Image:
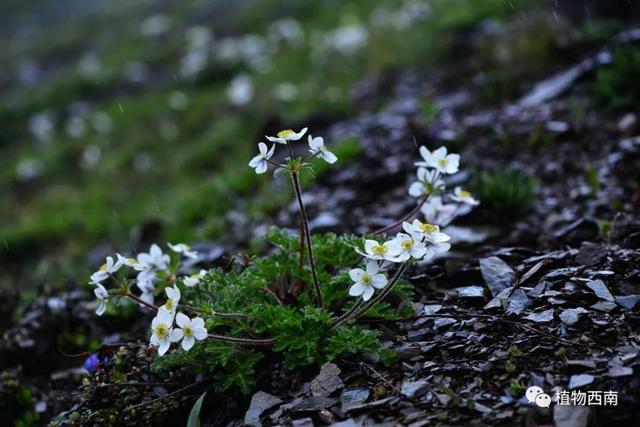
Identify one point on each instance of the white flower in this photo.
(440, 160)
(155, 259)
(190, 330)
(161, 331)
(419, 229)
(366, 281)
(102, 295)
(173, 298)
(463, 196)
(259, 162)
(317, 147)
(436, 243)
(129, 262)
(375, 250)
(287, 135)
(184, 249)
(407, 247)
(106, 269)
(438, 213)
(147, 289)
(194, 279)
(428, 182)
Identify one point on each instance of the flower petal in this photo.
(372, 268)
(200, 333)
(379, 281)
(182, 320)
(176, 334)
(164, 346)
(356, 274)
(187, 343)
(368, 293)
(356, 290)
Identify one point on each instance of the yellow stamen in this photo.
(443, 162)
(169, 304)
(103, 267)
(379, 250)
(187, 331)
(162, 331)
(285, 133)
(429, 228)
(407, 244)
(366, 279)
(464, 194)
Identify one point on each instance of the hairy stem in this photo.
(248, 341)
(307, 236)
(404, 218)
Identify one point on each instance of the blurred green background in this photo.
(118, 115)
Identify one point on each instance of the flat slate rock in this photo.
(497, 274)
(327, 381)
(260, 402)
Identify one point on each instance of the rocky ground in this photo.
(543, 295)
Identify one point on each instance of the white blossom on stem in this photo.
(428, 182)
(154, 259)
(376, 251)
(194, 279)
(101, 295)
(437, 213)
(287, 135)
(161, 331)
(106, 269)
(365, 282)
(317, 147)
(182, 248)
(189, 331)
(260, 162)
(463, 196)
(407, 247)
(440, 160)
(173, 298)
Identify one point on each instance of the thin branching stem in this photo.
(247, 341)
(414, 211)
(346, 315)
(407, 217)
(307, 235)
(271, 162)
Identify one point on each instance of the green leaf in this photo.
(194, 415)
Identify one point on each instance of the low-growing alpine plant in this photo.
(302, 300)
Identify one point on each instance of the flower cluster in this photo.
(430, 186)
(420, 240)
(162, 331)
(316, 147)
(146, 272)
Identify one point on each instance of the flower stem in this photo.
(248, 341)
(142, 302)
(375, 300)
(348, 314)
(404, 218)
(307, 235)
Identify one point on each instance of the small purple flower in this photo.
(93, 362)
